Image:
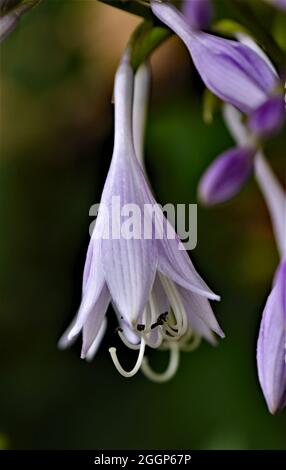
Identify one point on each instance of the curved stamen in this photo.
(127, 343)
(169, 372)
(137, 366)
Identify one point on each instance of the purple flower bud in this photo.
(271, 346)
(268, 117)
(198, 13)
(226, 175)
(232, 71)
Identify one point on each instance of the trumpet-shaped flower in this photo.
(159, 298)
(271, 346)
(233, 71)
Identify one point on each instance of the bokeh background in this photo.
(56, 143)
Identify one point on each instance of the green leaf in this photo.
(229, 27)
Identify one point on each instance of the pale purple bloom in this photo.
(144, 279)
(226, 175)
(231, 70)
(268, 118)
(271, 347)
(198, 13)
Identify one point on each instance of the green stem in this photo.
(145, 39)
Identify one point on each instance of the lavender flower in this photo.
(271, 346)
(198, 13)
(159, 298)
(226, 175)
(231, 70)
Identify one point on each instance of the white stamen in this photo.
(169, 372)
(137, 366)
(127, 343)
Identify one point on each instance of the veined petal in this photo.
(129, 263)
(94, 321)
(96, 343)
(129, 259)
(93, 285)
(275, 198)
(271, 345)
(175, 263)
(198, 306)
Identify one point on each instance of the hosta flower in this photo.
(233, 71)
(271, 346)
(198, 13)
(159, 298)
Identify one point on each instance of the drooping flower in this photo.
(233, 71)
(271, 346)
(198, 13)
(158, 296)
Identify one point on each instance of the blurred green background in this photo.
(56, 144)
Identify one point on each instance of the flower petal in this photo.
(198, 13)
(199, 307)
(175, 263)
(268, 118)
(92, 287)
(271, 345)
(94, 321)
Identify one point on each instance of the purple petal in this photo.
(94, 321)
(200, 314)
(268, 117)
(93, 286)
(129, 264)
(175, 263)
(271, 345)
(198, 13)
(226, 175)
(232, 71)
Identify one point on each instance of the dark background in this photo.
(56, 143)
